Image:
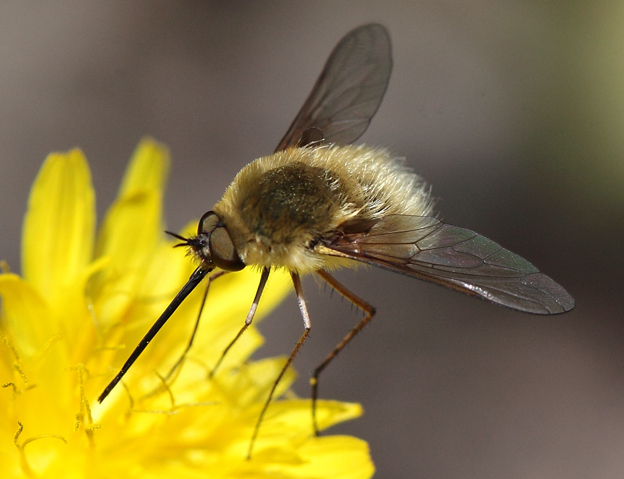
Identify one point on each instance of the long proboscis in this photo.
(194, 280)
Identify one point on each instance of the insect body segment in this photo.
(280, 205)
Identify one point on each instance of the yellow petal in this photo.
(133, 223)
(132, 229)
(295, 417)
(332, 456)
(59, 225)
(316, 458)
(26, 318)
(148, 168)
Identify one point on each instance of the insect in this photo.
(318, 203)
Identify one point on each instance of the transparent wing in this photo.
(454, 257)
(349, 89)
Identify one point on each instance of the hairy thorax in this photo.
(291, 201)
(280, 206)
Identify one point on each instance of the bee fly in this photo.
(318, 203)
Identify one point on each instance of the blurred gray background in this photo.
(513, 111)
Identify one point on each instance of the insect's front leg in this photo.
(250, 315)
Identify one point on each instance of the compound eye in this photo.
(208, 223)
(223, 252)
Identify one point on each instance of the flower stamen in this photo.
(24, 461)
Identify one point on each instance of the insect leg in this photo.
(178, 363)
(307, 325)
(369, 312)
(248, 319)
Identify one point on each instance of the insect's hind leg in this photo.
(369, 312)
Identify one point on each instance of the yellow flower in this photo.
(83, 303)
